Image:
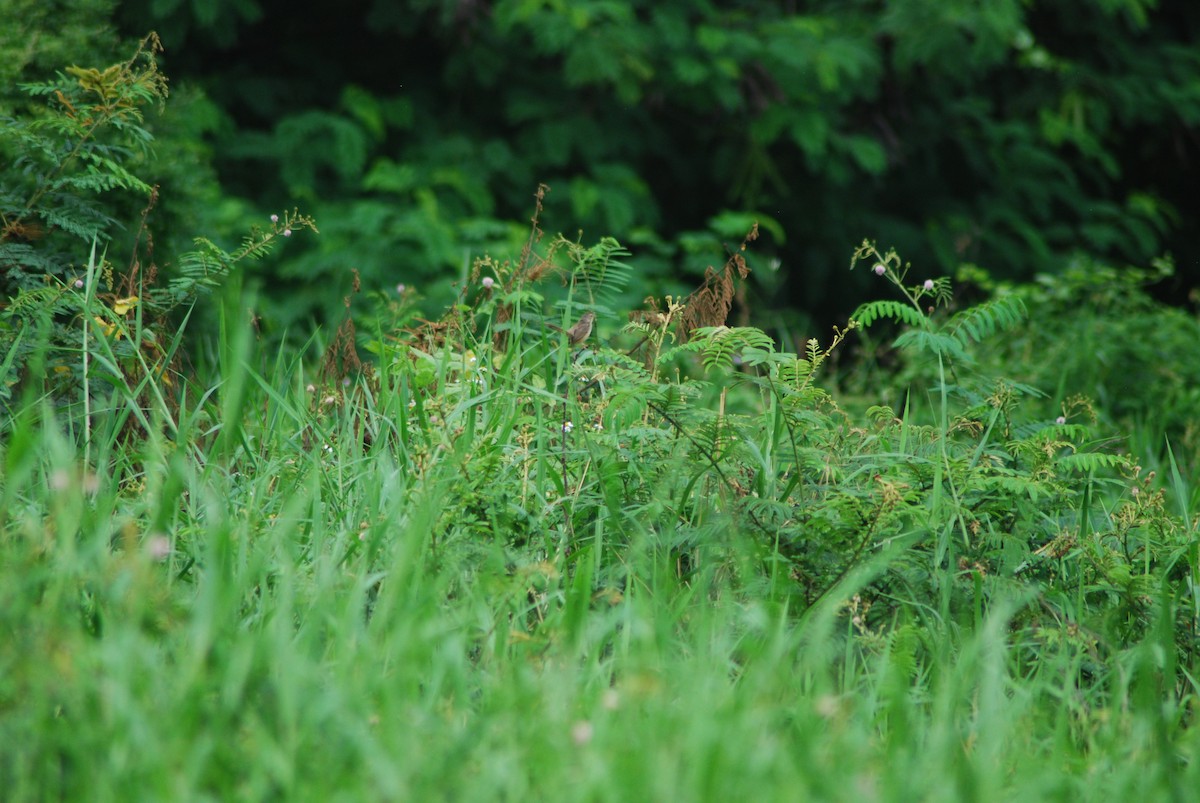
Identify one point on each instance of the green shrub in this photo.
(652, 558)
(71, 320)
(499, 561)
(1005, 134)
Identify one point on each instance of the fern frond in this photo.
(795, 371)
(199, 270)
(25, 265)
(770, 512)
(936, 343)
(984, 320)
(1087, 462)
(1013, 485)
(719, 344)
(672, 399)
(897, 311)
(714, 434)
(77, 217)
(601, 270)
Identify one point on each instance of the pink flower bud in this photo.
(880, 269)
(287, 232)
(487, 282)
(274, 218)
(928, 284)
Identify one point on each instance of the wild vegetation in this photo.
(1009, 134)
(461, 556)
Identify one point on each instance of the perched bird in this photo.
(581, 330)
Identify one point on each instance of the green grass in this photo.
(471, 607)
(492, 567)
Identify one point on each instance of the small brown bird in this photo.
(581, 330)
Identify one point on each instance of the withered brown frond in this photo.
(709, 304)
(341, 356)
(434, 334)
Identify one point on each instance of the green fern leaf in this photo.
(897, 311)
(719, 344)
(600, 271)
(984, 320)
(1087, 462)
(936, 343)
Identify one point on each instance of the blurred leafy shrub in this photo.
(1092, 343)
(67, 159)
(38, 40)
(69, 314)
(1005, 134)
(1096, 330)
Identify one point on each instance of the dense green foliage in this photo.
(1009, 134)
(466, 557)
(1102, 334)
(501, 567)
(68, 179)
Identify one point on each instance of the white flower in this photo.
(487, 282)
(1062, 419)
(59, 480)
(159, 547)
(880, 269)
(928, 284)
(581, 732)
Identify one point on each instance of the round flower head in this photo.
(581, 732)
(880, 269)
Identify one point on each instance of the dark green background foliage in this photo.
(1004, 133)
(1007, 134)
(38, 41)
(961, 564)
